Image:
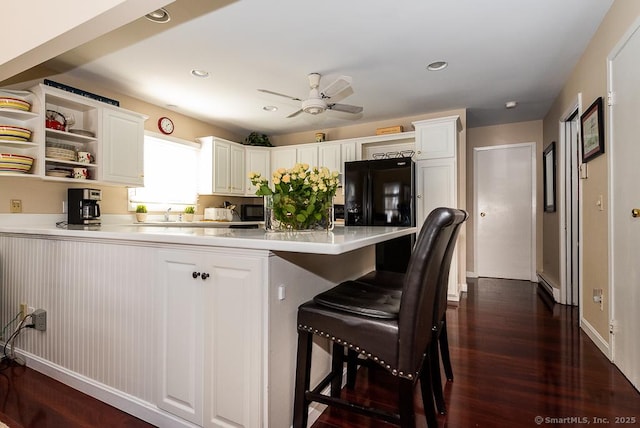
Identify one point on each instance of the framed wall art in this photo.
(592, 131)
(549, 174)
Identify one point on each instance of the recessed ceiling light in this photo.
(437, 66)
(200, 73)
(160, 16)
(270, 108)
(510, 104)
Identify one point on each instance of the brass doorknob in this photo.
(483, 214)
(635, 212)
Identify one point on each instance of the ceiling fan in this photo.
(319, 100)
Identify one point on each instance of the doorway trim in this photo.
(533, 148)
(565, 225)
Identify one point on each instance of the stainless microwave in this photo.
(252, 212)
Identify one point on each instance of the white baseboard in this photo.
(472, 274)
(596, 338)
(141, 409)
(127, 403)
(463, 287)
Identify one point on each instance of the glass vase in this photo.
(278, 219)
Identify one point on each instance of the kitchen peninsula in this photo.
(180, 326)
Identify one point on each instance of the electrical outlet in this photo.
(15, 206)
(24, 310)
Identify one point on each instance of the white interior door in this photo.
(505, 211)
(624, 226)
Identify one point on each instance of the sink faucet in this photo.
(166, 215)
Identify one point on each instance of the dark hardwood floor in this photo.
(515, 357)
(30, 399)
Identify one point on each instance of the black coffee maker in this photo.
(83, 206)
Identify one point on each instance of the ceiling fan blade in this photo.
(345, 108)
(294, 114)
(266, 91)
(337, 86)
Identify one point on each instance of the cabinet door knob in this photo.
(205, 275)
(635, 212)
(195, 275)
(482, 214)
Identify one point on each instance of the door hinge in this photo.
(613, 327)
(611, 98)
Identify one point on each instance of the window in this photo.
(170, 175)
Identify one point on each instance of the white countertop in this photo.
(337, 241)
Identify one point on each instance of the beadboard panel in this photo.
(99, 321)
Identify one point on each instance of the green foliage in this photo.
(189, 210)
(141, 208)
(255, 139)
(301, 197)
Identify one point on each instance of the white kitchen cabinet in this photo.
(349, 153)
(437, 178)
(283, 157)
(307, 153)
(221, 167)
(236, 170)
(435, 186)
(122, 140)
(287, 156)
(181, 351)
(211, 346)
(257, 159)
(113, 136)
(330, 155)
(436, 138)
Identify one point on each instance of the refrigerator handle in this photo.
(368, 215)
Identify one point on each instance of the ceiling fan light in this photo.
(314, 106)
(313, 110)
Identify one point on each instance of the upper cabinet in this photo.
(283, 157)
(307, 153)
(436, 138)
(287, 156)
(78, 138)
(221, 167)
(122, 147)
(330, 155)
(257, 159)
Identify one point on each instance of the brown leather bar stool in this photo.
(385, 328)
(393, 281)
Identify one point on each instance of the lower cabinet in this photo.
(211, 337)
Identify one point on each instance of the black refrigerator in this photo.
(381, 193)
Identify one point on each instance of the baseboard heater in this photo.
(545, 285)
